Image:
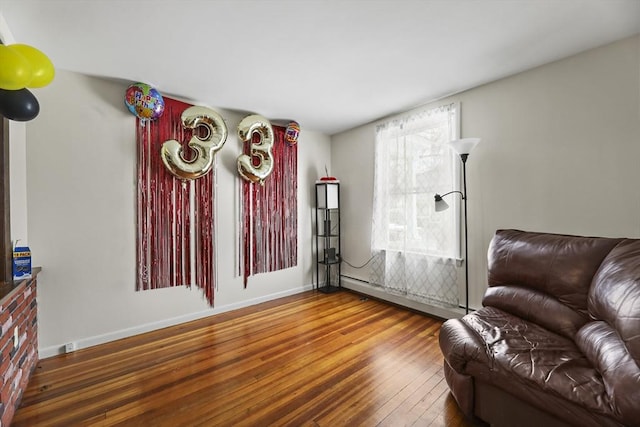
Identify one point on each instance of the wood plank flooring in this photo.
(306, 360)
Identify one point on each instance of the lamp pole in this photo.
(462, 147)
(466, 241)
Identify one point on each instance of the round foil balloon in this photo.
(143, 101)
(292, 132)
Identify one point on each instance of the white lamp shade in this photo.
(464, 145)
(327, 196)
(441, 205)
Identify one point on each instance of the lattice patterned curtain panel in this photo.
(422, 278)
(416, 248)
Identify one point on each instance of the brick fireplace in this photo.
(18, 344)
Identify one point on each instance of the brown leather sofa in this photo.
(557, 341)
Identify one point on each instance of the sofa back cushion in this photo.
(536, 307)
(556, 266)
(615, 295)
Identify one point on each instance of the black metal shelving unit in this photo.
(327, 236)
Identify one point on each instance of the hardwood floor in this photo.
(306, 360)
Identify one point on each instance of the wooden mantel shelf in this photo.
(6, 288)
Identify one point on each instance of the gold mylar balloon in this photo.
(204, 146)
(15, 70)
(260, 151)
(41, 67)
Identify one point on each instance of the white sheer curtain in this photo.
(416, 248)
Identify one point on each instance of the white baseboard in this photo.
(55, 350)
(365, 288)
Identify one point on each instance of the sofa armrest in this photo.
(461, 345)
(604, 348)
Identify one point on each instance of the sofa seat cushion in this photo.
(518, 354)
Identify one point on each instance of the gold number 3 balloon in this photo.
(205, 146)
(258, 164)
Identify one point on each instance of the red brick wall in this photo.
(17, 309)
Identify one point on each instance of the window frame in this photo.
(413, 220)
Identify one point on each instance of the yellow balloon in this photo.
(15, 70)
(41, 66)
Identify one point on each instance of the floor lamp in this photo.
(463, 147)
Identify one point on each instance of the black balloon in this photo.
(19, 105)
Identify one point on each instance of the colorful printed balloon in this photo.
(292, 132)
(144, 102)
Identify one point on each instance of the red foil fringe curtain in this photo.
(269, 217)
(165, 229)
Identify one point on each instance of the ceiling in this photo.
(331, 65)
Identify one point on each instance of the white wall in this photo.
(18, 182)
(559, 153)
(81, 163)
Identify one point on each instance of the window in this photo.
(412, 242)
(413, 163)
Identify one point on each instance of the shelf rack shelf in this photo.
(327, 237)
